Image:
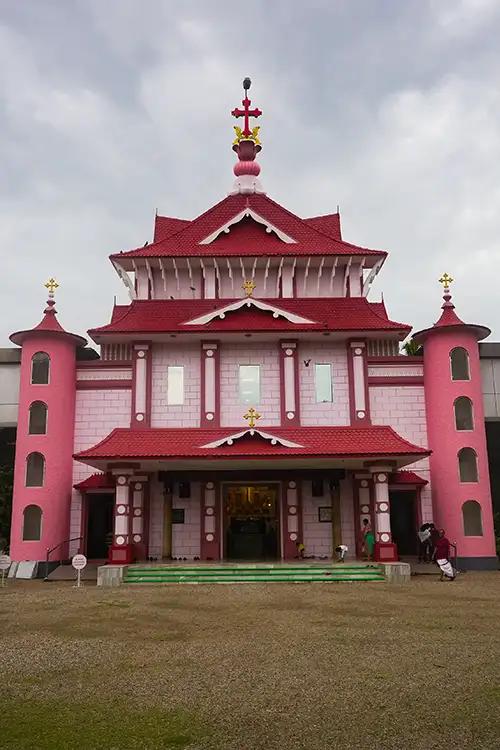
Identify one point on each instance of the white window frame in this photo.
(252, 402)
(172, 399)
(330, 368)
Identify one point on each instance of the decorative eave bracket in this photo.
(248, 302)
(273, 439)
(247, 212)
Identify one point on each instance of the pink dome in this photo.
(246, 167)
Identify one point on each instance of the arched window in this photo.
(459, 359)
(463, 414)
(40, 368)
(467, 465)
(38, 418)
(32, 523)
(35, 470)
(471, 514)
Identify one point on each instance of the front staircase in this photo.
(255, 573)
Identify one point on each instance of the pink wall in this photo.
(96, 414)
(56, 446)
(317, 536)
(449, 493)
(403, 408)
(266, 355)
(184, 415)
(186, 536)
(336, 412)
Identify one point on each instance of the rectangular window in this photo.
(323, 383)
(250, 384)
(175, 385)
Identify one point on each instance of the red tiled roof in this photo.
(166, 226)
(309, 240)
(96, 482)
(329, 224)
(48, 324)
(329, 314)
(321, 442)
(407, 477)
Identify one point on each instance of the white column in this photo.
(138, 485)
(382, 507)
(121, 537)
(140, 405)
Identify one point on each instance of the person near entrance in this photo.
(367, 540)
(442, 557)
(424, 543)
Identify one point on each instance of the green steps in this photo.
(249, 573)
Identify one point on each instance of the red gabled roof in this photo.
(166, 226)
(96, 482)
(308, 240)
(407, 477)
(170, 316)
(320, 442)
(329, 224)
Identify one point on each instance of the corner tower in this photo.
(457, 435)
(45, 434)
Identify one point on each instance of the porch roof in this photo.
(228, 446)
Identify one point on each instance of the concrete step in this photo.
(253, 574)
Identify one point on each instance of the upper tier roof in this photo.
(316, 236)
(172, 316)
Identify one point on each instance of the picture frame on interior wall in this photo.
(325, 514)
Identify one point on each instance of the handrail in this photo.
(51, 549)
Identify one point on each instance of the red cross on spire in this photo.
(246, 112)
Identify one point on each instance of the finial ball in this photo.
(246, 83)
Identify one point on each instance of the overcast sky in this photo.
(110, 109)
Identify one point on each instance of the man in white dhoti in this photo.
(442, 557)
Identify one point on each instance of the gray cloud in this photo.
(109, 110)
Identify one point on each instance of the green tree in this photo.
(412, 349)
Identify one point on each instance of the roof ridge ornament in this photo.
(247, 145)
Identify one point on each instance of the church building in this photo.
(248, 400)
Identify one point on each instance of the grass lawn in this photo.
(251, 667)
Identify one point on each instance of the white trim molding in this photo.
(247, 302)
(273, 439)
(256, 217)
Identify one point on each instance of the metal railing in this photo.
(52, 549)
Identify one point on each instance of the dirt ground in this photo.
(265, 666)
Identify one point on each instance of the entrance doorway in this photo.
(99, 524)
(251, 521)
(404, 520)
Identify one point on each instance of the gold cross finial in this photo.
(252, 415)
(248, 286)
(51, 285)
(446, 280)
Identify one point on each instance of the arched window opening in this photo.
(32, 523)
(40, 368)
(467, 464)
(471, 514)
(38, 418)
(459, 359)
(463, 414)
(35, 470)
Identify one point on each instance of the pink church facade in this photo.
(249, 399)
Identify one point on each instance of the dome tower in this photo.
(45, 435)
(457, 436)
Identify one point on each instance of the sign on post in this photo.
(4, 566)
(78, 562)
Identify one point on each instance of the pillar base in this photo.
(121, 554)
(386, 552)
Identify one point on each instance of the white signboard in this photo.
(4, 566)
(79, 562)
